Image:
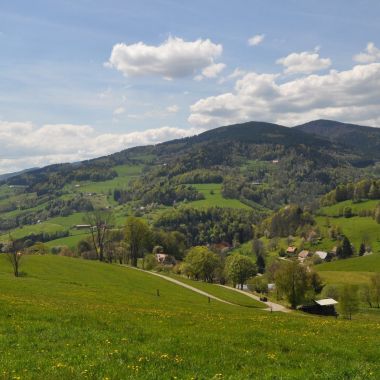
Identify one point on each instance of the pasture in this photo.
(73, 319)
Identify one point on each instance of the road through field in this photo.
(271, 305)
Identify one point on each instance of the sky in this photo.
(85, 78)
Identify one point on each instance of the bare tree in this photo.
(99, 222)
(14, 253)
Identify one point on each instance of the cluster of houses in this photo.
(302, 255)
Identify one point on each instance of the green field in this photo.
(370, 263)
(74, 319)
(356, 228)
(349, 278)
(357, 270)
(214, 198)
(337, 209)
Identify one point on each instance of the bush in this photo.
(150, 262)
(258, 284)
(66, 251)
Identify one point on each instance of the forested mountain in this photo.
(260, 162)
(364, 140)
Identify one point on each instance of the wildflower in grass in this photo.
(271, 356)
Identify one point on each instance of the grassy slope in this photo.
(215, 199)
(357, 270)
(337, 209)
(370, 263)
(71, 319)
(356, 228)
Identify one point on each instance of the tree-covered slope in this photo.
(364, 140)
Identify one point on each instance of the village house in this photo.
(322, 254)
(291, 250)
(303, 255)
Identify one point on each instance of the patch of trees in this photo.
(200, 176)
(362, 190)
(147, 190)
(54, 177)
(212, 225)
(295, 283)
(286, 222)
(135, 241)
(201, 264)
(43, 237)
(61, 207)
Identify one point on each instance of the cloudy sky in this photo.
(84, 78)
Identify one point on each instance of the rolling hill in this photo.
(255, 166)
(364, 140)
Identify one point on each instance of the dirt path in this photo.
(271, 305)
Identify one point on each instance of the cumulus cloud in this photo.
(256, 40)
(304, 62)
(175, 58)
(371, 54)
(172, 109)
(119, 111)
(350, 95)
(27, 145)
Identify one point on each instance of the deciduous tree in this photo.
(201, 263)
(348, 301)
(239, 269)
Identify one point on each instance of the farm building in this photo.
(82, 226)
(321, 307)
(322, 254)
(303, 255)
(291, 250)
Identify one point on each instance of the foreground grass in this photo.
(74, 319)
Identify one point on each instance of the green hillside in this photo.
(71, 319)
(370, 263)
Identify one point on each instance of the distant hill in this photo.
(364, 140)
(6, 176)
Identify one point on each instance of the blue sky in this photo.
(68, 91)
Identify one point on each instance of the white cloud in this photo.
(352, 95)
(305, 62)
(371, 54)
(172, 109)
(27, 145)
(175, 58)
(119, 111)
(213, 70)
(256, 40)
(235, 74)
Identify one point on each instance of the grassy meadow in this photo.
(75, 319)
(214, 198)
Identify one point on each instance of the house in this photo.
(322, 254)
(222, 247)
(303, 255)
(82, 226)
(321, 307)
(291, 250)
